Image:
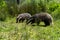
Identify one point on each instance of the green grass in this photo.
(9, 30)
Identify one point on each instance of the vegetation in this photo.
(10, 30)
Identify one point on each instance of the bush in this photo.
(31, 6)
(56, 14)
(3, 10)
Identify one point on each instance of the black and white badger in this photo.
(23, 16)
(41, 17)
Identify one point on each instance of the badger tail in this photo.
(52, 24)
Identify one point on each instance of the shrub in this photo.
(3, 10)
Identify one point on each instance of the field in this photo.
(9, 30)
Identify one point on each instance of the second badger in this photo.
(41, 17)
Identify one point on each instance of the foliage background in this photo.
(10, 30)
(12, 9)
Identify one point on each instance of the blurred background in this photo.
(11, 8)
(10, 30)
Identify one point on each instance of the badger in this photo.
(41, 17)
(23, 16)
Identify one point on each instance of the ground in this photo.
(9, 30)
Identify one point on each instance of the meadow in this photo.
(10, 30)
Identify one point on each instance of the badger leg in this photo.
(23, 20)
(19, 20)
(47, 23)
(38, 23)
(32, 22)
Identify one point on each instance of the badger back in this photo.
(27, 15)
(24, 15)
(44, 16)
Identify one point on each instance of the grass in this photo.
(9, 30)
